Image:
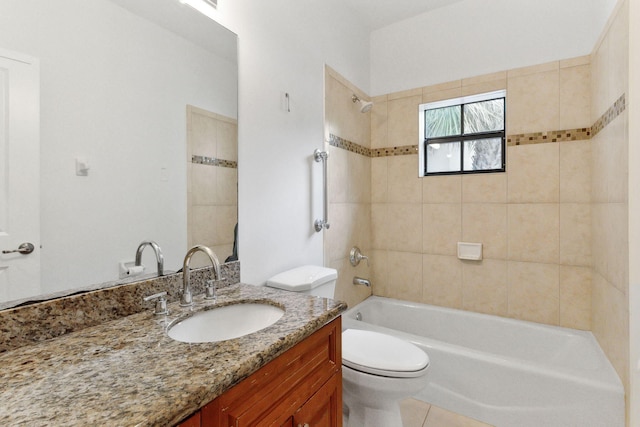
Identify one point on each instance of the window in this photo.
(463, 135)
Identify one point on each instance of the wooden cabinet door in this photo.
(192, 421)
(324, 408)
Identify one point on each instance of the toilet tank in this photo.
(308, 279)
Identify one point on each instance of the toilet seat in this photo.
(380, 354)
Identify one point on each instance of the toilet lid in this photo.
(380, 354)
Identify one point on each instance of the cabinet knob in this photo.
(304, 425)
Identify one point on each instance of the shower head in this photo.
(365, 106)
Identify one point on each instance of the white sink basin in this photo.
(225, 323)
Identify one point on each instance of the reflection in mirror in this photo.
(114, 81)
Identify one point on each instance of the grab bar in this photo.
(319, 224)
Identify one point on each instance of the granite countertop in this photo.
(128, 372)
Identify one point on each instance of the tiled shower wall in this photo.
(349, 187)
(212, 187)
(609, 194)
(534, 221)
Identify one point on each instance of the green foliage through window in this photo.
(464, 135)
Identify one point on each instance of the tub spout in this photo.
(360, 281)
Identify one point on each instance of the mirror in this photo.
(132, 91)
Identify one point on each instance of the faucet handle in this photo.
(210, 290)
(355, 256)
(161, 302)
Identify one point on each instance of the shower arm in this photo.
(320, 224)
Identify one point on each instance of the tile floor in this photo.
(421, 414)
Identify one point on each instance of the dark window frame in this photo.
(462, 137)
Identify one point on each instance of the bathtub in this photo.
(505, 372)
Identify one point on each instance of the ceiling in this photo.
(380, 13)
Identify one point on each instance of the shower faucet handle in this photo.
(355, 256)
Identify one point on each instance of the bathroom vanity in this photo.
(302, 387)
(128, 371)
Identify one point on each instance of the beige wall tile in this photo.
(600, 80)
(225, 222)
(379, 271)
(379, 179)
(345, 289)
(484, 188)
(442, 86)
(573, 62)
(442, 189)
(575, 172)
(533, 232)
(484, 286)
(226, 189)
(484, 78)
(403, 185)
(379, 124)
(204, 180)
(533, 102)
(337, 175)
(404, 94)
(575, 297)
(358, 178)
(204, 230)
(610, 324)
(342, 116)
(575, 234)
(379, 226)
(486, 223)
(204, 135)
(406, 280)
(442, 280)
(443, 94)
(575, 97)
(533, 69)
(442, 228)
(405, 227)
(610, 243)
(484, 87)
(403, 121)
(533, 173)
(618, 76)
(227, 141)
(341, 235)
(534, 292)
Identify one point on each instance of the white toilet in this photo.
(378, 370)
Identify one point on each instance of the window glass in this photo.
(443, 157)
(442, 122)
(483, 154)
(485, 116)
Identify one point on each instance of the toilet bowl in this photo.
(378, 370)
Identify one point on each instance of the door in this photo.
(19, 174)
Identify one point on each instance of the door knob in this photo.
(24, 249)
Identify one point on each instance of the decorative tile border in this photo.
(338, 142)
(551, 136)
(212, 161)
(579, 134)
(614, 111)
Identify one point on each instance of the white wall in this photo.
(283, 46)
(633, 101)
(475, 37)
(114, 88)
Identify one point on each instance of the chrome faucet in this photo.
(360, 281)
(186, 299)
(156, 249)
